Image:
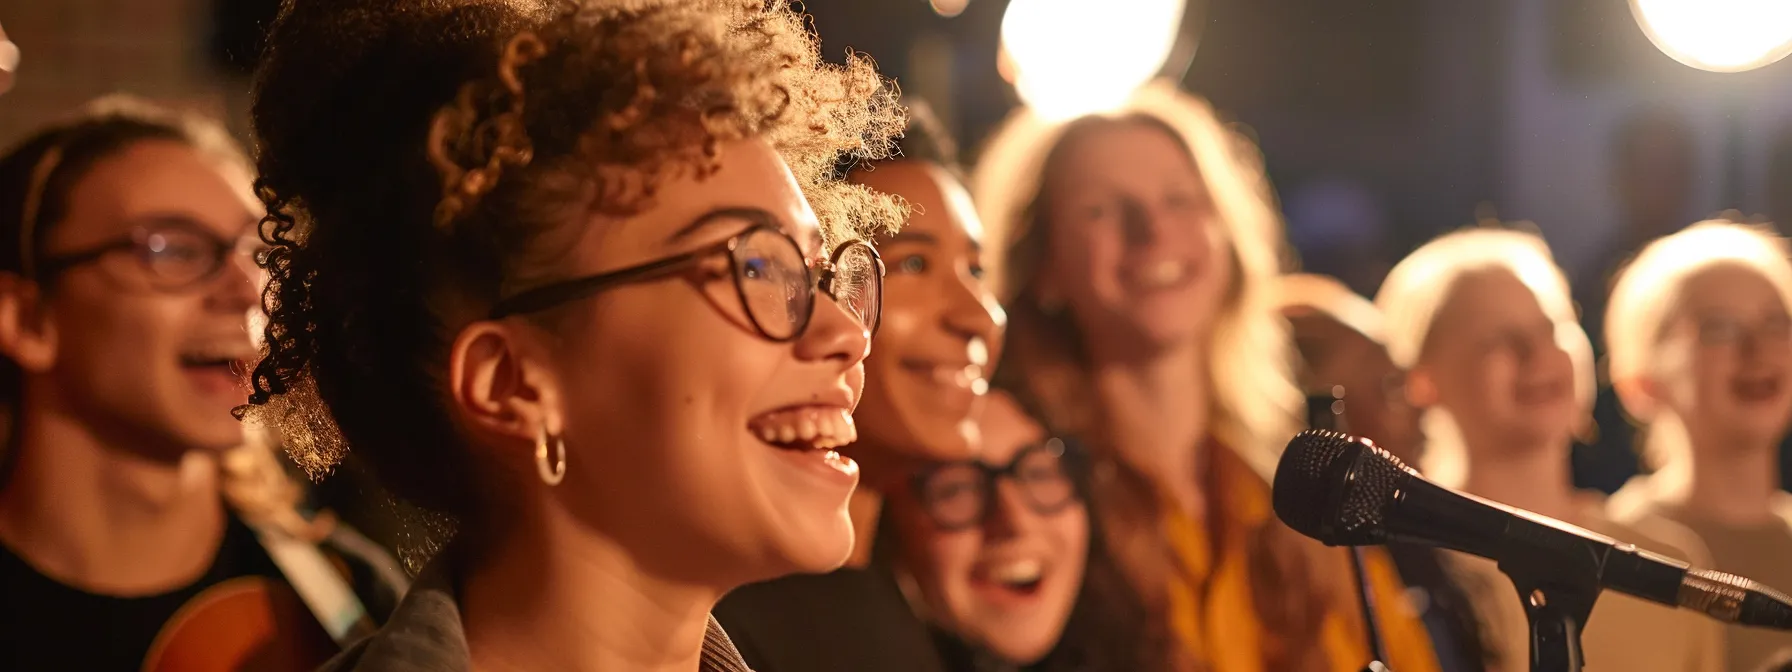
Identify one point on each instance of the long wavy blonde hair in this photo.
(1254, 403)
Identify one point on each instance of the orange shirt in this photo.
(1211, 609)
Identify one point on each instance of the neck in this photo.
(1156, 414)
(1536, 478)
(104, 518)
(864, 507)
(1726, 482)
(547, 595)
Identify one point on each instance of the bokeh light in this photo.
(1073, 57)
(1718, 35)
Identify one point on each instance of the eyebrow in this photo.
(250, 225)
(749, 214)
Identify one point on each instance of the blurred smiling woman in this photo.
(1138, 252)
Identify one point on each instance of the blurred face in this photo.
(694, 440)
(1375, 405)
(145, 342)
(1000, 570)
(1500, 366)
(1726, 356)
(926, 376)
(1137, 253)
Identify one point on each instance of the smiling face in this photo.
(1499, 365)
(150, 366)
(925, 378)
(1006, 582)
(1137, 252)
(667, 388)
(1726, 356)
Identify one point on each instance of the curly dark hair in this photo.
(422, 158)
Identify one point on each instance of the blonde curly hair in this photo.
(421, 158)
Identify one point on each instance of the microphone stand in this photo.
(1558, 597)
(1326, 411)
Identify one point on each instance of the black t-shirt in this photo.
(850, 619)
(50, 626)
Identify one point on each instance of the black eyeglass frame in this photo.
(557, 293)
(1069, 466)
(220, 249)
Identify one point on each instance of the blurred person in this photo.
(1340, 336)
(1140, 250)
(1482, 322)
(995, 546)
(924, 382)
(1699, 335)
(580, 277)
(130, 500)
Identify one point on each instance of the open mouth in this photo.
(221, 359)
(1016, 578)
(963, 375)
(1756, 389)
(805, 428)
(1158, 275)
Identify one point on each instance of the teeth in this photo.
(1019, 571)
(807, 428)
(1161, 274)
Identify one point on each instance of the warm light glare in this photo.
(1718, 35)
(1074, 57)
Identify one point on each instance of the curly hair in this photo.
(422, 158)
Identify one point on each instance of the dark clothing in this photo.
(1445, 610)
(53, 626)
(425, 635)
(850, 619)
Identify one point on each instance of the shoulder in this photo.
(1638, 522)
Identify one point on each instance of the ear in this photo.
(499, 378)
(1641, 396)
(1421, 388)
(27, 334)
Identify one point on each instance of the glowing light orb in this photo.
(1718, 35)
(1074, 57)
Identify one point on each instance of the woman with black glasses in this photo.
(581, 280)
(131, 504)
(996, 552)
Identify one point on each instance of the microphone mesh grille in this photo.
(1378, 475)
(1302, 486)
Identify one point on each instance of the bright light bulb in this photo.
(1718, 35)
(1075, 57)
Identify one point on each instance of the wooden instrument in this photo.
(249, 623)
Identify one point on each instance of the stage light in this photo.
(1075, 57)
(1718, 35)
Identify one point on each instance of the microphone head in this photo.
(1336, 488)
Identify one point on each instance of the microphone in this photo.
(1346, 491)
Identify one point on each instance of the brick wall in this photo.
(75, 50)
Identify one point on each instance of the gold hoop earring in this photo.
(556, 472)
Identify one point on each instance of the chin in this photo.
(1022, 649)
(823, 551)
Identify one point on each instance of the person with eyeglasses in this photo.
(995, 550)
(923, 383)
(131, 503)
(581, 280)
(1699, 335)
(1355, 387)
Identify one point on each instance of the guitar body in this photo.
(246, 623)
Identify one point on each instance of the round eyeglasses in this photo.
(957, 495)
(775, 281)
(174, 254)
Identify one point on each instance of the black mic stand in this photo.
(1558, 597)
(1326, 411)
